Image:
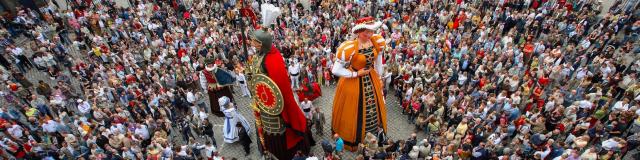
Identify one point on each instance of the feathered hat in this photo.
(269, 14)
(366, 23)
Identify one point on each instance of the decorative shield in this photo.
(267, 95)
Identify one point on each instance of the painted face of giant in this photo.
(365, 34)
(255, 44)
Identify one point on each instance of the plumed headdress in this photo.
(366, 23)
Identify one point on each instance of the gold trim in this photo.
(263, 80)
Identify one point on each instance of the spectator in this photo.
(481, 79)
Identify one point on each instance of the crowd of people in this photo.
(518, 80)
(483, 79)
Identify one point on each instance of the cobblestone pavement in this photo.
(398, 125)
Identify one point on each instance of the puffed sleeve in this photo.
(342, 58)
(379, 41)
(344, 51)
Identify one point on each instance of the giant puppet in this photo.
(281, 125)
(358, 106)
(217, 82)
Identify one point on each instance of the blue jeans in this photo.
(44, 110)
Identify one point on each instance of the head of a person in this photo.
(225, 102)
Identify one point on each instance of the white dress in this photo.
(232, 117)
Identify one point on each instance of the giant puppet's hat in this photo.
(366, 23)
(269, 14)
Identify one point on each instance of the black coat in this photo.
(207, 129)
(244, 136)
(102, 141)
(382, 138)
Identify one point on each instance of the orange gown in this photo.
(358, 105)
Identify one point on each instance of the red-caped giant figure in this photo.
(282, 127)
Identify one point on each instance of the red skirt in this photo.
(311, 95)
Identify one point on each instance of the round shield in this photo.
(267, 95)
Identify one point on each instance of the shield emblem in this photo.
(267, 95)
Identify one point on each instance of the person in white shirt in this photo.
(210, 151)
(50, 126)
(582, 72)
(15, 130)
(294, 73)
(242, 82)
(194, 109)
(202, 114)
(84, 107)
(622, 105)
(306, 107)
(613, 144)
(117, 129)
(408, 94)
(18, 54)
(191, 98)
(387, 79)
(462, 78)
(585, 104)
(142, 131)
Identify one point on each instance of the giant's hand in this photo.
(363, 72)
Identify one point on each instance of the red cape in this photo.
(291, 114)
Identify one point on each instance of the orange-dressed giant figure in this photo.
(358, 106)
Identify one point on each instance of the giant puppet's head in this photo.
(261, 39)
